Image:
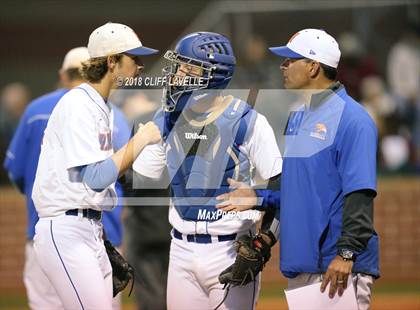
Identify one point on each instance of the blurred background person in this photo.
(403, 69)
(394, 149)
(355, 64)
(13, 100)
(378, 102)
(254, 70)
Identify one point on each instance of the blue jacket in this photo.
(330, 151)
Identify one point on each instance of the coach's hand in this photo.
(242, 198)
(337, 274)
(150, 133)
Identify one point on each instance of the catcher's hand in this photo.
(122, 271)
(253, 253)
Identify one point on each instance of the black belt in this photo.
(203, 238)
(88, 213)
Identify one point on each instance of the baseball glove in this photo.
(122, 271)
(253, 253)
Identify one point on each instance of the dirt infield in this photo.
(392, 301)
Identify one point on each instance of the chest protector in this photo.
(203, 151)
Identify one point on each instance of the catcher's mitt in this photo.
(122, 271)
(253, 254)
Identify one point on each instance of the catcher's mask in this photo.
(211, 53)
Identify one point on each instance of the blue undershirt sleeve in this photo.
(270, 199)
(99, 175)
(270, 196)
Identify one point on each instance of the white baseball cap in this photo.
(75, 57)
(314, 44)
(113, 38)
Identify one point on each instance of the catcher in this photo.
(208, 138)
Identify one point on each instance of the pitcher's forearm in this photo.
(125, 157)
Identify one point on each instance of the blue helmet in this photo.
(212, 53)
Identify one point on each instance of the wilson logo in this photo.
(320, 131)
(194, 136)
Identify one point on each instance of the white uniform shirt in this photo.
(263, 153)
(78, 133)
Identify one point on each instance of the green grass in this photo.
(269, 291)
(394, 288)
(14, 300)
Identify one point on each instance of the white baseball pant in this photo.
(193, 274)
(71, 253)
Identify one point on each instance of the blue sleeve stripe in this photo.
(38, 117)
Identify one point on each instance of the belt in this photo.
(88, 213)
(203, 238)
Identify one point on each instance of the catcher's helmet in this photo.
(211, 52)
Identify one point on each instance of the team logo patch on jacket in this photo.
(320, 131)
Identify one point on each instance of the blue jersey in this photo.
(330, 151)
(112, 220)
